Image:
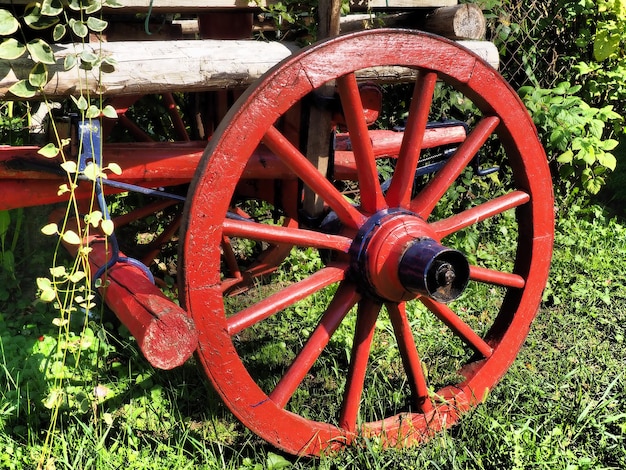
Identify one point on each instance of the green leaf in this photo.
(70, 237)
(53, 400)
(108, 64)
(49, 150)
(58, 32)
(43, 283)
(605, 45)
(40, 51)
(93, 7)
(81, 103)
(88, 57)
(608, 144)
(69, 166)
(596, 127)
(23, 89)
(561, 88)
(8, 23)
(92, 171)
(96, 24)
(109, 111)
(588, 155)
(109, 60)
(276, 462)
(51, 7)
(93, 218)
(58, 271)
(593, 185)
(558, 138)
(107, 226)
(47, 295)
(609, 114)
(64, 188)
(11, 49)
(70, 62)
(607, 160)
(50, 229)
(583, 68)
(115, 168)
(566, 157)
(93, 112)
(108, 419)
(5, 222)
(77, 276)
(8, 261)
(79, 28)
(38, 76)
(74, 4)
(36, 20)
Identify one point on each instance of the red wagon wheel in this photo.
(399, 362)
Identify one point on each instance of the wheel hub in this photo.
(395, 256)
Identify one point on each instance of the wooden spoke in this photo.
(230, 259)
(498, 278)
(345, 298)
(410, 357)
(285, 235)
(363, 335)
(371, 194)
(284, 298)
(479, 213)
(458, 326)
(399, 194)
(143, 211)
(299, 164)
(427, 199)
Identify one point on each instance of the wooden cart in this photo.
(400, 216)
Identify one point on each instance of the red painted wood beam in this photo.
(166, 336)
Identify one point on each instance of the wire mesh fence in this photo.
(534, 41)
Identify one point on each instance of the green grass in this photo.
(561, 405)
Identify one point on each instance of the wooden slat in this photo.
(199, 6)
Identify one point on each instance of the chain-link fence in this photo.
(534, 41)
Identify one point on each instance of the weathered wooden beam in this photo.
(146, 67)
(199, 6)
(165, 334)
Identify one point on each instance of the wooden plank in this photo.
(198, 6)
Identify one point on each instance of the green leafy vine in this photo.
(69, 286)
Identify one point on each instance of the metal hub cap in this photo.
(396, 257)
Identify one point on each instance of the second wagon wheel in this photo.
(412, 299)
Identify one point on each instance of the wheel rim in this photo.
(492, 349)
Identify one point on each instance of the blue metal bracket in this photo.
(90, 150)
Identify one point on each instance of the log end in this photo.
(171, 339)
(464, 21)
